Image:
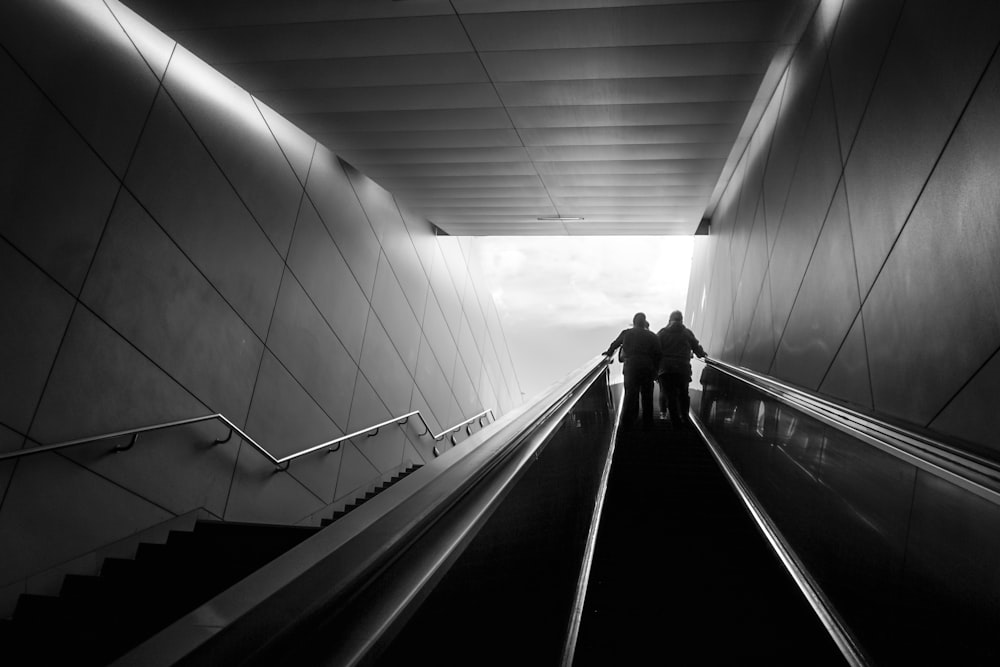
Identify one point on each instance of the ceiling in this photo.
(489, 116)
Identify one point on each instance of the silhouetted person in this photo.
(677, 344)
(641, 356)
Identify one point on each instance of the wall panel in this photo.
(79, 56)
(825, 305)
(971, 414)
(943, 264)
(321, 269)
(812, 188)
(226, 119)
(285, 420)
(47, 155)
(260, 494)
(390, 305)
(35, 317)
(949, 45)
(311, 352)
(101, 383)
(904, 96)
(848, 378)
(856, 53)
(144, 286)
(384, 368)
(338, 207)
(214, 258)
(176, 180)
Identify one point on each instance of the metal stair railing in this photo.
(280, 463)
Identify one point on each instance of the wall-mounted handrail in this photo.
(282, 463)
(974, 473)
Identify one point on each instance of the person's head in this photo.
(676, 316)
(639, 321)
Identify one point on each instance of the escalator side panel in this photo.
(907, 558)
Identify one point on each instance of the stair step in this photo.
(97, 618)
(31, 608)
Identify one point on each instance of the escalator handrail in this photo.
(838, 630)
(974, 473)
(413, 530)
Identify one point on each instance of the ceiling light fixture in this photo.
(557, 217)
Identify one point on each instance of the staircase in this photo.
(96, 619)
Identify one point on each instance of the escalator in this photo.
(681, 574)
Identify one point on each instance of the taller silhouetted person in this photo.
(677, 344)
(641, 357)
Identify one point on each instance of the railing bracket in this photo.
(224, 440)
(131, 443)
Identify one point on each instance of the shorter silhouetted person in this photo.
(677, 344)
(641, 358)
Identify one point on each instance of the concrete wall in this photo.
(170, 247)
(854, 251)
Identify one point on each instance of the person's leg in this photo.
(674, 399)
(630, 404)
(647, 401)
(684, 388)
(662, 382)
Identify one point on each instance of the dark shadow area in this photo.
(682, 575)
(508, 597)
(906, 556)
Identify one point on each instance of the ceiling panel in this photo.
(463, 195)
(599, 115)
(434, 139)
(325, 39)
(432, 155)
(485, 115)
(630, 167)
(630, 134)
(735, 88)
(628, 62)
(172, 15)
(628, 151)
(409, 119)
(494, 6)
(689, 23)
(420, 69)
(691, 181)
(457, 184)
(632, 190)
(382, 98)
(446, 169)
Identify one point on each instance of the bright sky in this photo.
(564, 299)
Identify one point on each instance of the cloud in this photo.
(563, 299)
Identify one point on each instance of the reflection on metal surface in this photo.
(885, 528)
(853, 653)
